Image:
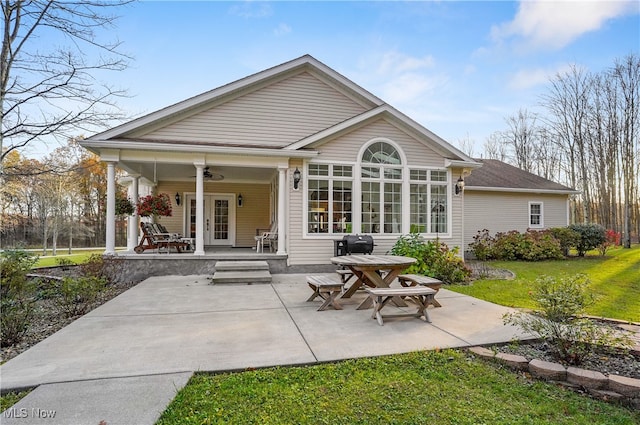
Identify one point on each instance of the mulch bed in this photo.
(48, 319)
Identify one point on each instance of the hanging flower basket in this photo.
(155, 205)
(124, 206)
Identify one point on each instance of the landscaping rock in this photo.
(482, 352)
(629, 387)
(514, 361)
(586, 378)
(547, 370)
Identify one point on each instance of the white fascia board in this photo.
(97, 146)
(454, 163)
(336, 129)
(388, 111)
(520, 190)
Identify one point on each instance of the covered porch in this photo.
(220, 200)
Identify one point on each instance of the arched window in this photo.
(381, 188)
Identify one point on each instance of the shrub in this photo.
(591, 235)
(506, 246)
(612, 238)
(434, 258)
(77, 295)
(65, 263)
(557, 321)
(540, 245)
(533, 245)
(100, 266)
(16, 295)
(482, 245)
(567, 238)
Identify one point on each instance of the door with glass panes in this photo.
(219, 219)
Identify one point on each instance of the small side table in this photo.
(191, 244)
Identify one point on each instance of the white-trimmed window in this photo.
(381, 189)
(329, 198)
(428, 205)
(536, 215)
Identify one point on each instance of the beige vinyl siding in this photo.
(505, 211)
(274, 116)
(346, 148)
(253, 215)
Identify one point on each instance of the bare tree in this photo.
(494, 147)
(467, 145)
(567, 105)
(50, 93)
(522, 137)
(626, 73)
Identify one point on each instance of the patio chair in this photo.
(269, 238)
(155, 236)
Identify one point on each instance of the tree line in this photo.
(55, 202)
(586, 136)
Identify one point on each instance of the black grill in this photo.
(358, 244)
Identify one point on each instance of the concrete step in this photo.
(244, 276)
(224, 266)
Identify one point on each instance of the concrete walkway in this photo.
(124, 362)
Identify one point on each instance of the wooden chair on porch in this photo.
(155, 236)
(269, 238)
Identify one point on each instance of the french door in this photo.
(219, 219)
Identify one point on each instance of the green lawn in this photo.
(78, 257)
(615, 281)
(447, 387)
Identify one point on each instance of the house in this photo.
(298, 148)
(500, 197)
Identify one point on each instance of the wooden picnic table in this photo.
(375, 271)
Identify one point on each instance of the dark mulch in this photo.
(623, 363)
(48, 319)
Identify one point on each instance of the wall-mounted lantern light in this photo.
(240, 200)
(296, 178)
(459, 185)
(178, 199)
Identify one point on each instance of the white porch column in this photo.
(282, 191)
(132, 192)
(199, 210)
(111, 209)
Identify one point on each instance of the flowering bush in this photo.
(151, 205)
(612, 238)
(533, 245)
(123, 206)
(434, 258)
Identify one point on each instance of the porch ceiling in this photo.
(187, 172)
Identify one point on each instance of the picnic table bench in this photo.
(327, 289)
(408, 280)
(420, 295)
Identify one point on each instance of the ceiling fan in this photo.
(208, 175)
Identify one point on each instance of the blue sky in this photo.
(458, 68)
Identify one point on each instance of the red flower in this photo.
(155, 205)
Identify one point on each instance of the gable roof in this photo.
(251, 82)
(145, 133)
(495, 175)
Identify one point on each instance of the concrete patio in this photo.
(157, 334)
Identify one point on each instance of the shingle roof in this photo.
(501, 176)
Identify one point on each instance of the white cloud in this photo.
(395, 63)
(400, 79)
(282, 29)
(554, 24)
(409, 87)
(528, 78)
(251, 9)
